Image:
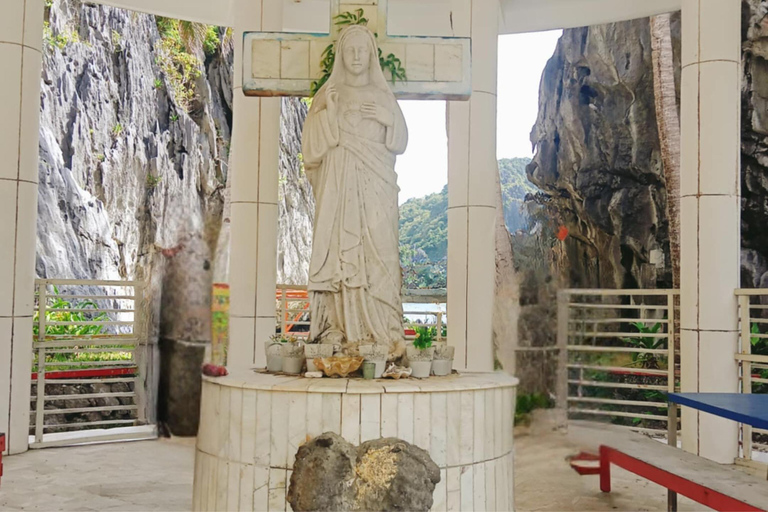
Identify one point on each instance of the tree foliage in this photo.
(424, 226)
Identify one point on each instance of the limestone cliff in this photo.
(598, 156)
(754, 145)
(133, 176)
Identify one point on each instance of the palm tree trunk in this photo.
(668, 121)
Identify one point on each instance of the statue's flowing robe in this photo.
(354, 273)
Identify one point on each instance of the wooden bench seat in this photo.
(717, 486)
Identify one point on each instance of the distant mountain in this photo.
(424, 225)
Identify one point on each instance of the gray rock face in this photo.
(330, 474)
(598, 156)
(132, 185)
(754, 145)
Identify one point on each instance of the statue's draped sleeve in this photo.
(397, 134)
(321, 133)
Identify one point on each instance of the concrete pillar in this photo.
(21, 39)
(472, 170)
(710, 216)
(254, 200)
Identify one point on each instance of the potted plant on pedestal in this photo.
(376, 354)
(442, 364)
(421, 352)
(273, 351)
(293, 355)
(315, 350)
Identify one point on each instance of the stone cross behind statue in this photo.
(286, 63)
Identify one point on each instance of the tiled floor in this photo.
(136, 476)
(157, 476)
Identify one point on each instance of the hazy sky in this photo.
(423, 169)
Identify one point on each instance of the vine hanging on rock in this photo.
(389, 63)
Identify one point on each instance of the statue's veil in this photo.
(338, 74)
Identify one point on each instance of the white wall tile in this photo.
(405, 426)
(11, 23)
(422, 424)
(314, 414)
(10, 88)
(720, 30)
(235, 423)
(265, 58)
(213, 479)
(278, 451)
(453, 485)
(294, 59)
(453, 442)
(297, 424)
(388, 415)
(350, 418)
(719, 257)
(490, 485)
(439, 496)
(222, 429)
(478, 429)
(30, 112)
(244, 217)
(245, 500)
(467, 427)
(332, 413)
(467, 489)
(439, 428)
(233, 486)
(490, 421)
(248, 427)
(222, 481)
(262, 444)
(33, 24)
(498, 443)
(719, 109)
(370, 417)
(690, 32)
(277, 484)
(260, 488)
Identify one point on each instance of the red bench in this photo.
(717, 486)
(2, 449)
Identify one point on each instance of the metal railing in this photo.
(618, 356)
(293, 317)
(752, 356)
(90, 370)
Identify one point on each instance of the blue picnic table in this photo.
(745, 408)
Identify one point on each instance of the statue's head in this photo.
(356, 49)
(356, 55)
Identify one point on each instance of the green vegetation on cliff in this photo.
(424, 225)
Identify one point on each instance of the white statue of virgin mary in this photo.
(351, 136)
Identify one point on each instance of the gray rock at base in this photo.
(180, 386)
(330, 474)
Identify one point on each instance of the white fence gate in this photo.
(90, 374)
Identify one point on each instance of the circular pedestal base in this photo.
(252, 424)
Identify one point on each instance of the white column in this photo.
(254, 200)
(710, 216)
(472, 170)
(21, 26)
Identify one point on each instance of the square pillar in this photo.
(472, 177)
(21, 39)
(254, 162)
(710, 216)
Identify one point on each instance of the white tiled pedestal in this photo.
(252, 424)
